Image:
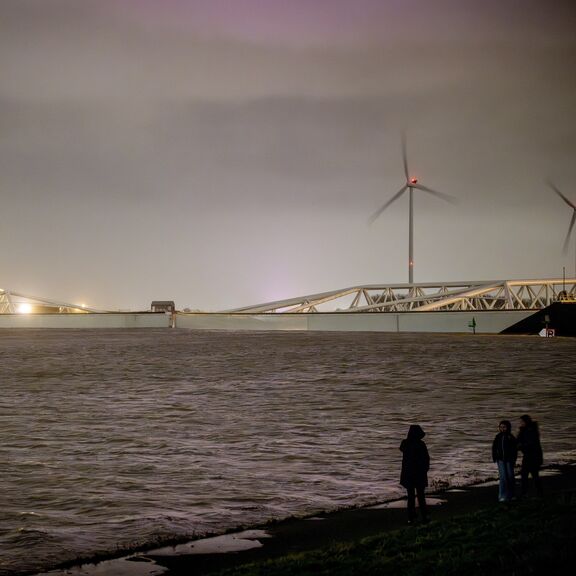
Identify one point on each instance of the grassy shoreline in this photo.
(470, 534)
(529, 537)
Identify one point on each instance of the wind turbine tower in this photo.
(411, 184)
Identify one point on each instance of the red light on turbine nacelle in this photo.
(413, 180)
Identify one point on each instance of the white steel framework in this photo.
(469, 296)
(16, 303)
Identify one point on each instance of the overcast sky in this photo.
(225, 153)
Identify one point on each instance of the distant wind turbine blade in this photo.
(446, 197)
(386, 204)
(561, 195)
(565, 247)
(405, 156)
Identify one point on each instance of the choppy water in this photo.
(116, 438)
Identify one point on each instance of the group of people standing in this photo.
(505, 448)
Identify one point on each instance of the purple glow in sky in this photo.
(221, 153)
(295, 23)
(305, 23)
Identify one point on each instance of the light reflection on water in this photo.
(115, 438)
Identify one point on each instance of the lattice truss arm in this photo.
(494, 295)
(15, 302)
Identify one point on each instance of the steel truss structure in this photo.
(17, 303)
(427, 297)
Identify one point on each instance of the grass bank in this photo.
(532, 537)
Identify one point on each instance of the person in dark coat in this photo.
(532, 459)
(415, 466)
(504, 453)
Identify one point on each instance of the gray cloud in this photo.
(144, 155)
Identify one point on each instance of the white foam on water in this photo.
(237, 542)
(395, 504)
(128, 566)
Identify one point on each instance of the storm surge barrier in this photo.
(426, 297)
(458, 307)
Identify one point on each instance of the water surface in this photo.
(114, 438)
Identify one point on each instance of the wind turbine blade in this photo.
(386, 204)
(445, 197)
(561, 195)
(565, 247)
(405, 156)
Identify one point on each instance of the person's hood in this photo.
(415, 432)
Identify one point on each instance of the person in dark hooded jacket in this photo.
(504, 454)
(414, 475)
(532, 459)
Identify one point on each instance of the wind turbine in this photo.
(410, 185)
(571, 226)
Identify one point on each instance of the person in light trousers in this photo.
(504, 454)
